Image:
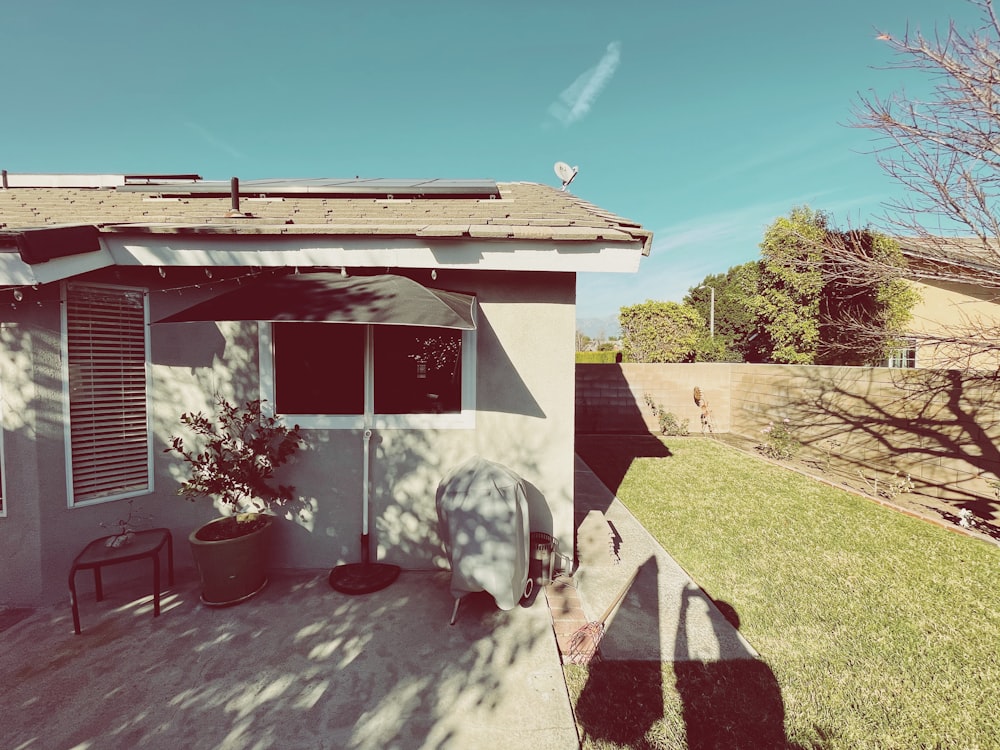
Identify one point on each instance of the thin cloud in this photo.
(213, 140)
(575, 102)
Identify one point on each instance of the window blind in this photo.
(106, 354)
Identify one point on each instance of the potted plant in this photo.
(239, 450)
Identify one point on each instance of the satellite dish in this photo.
(565, 172)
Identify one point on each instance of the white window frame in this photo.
(899, 356)
(462, 420)
(71, 500)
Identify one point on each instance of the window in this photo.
(320, 370)
(904, 356)
(330, 375)
(109, 451)
(418, 370)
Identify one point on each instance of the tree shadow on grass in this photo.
(621, 702)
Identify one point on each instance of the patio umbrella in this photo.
(323, 297)
(384, 299)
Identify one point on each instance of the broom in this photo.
(585, 643)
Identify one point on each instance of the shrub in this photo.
(597, 358)
(669, 424)
(240, 449)
(779, 442)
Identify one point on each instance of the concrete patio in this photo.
(299, 666)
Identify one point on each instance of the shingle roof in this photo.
(525, 211)
(962, 256)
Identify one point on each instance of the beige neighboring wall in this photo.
(952, 309)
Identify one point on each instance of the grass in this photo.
(875, 629)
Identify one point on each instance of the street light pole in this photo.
(711, 313)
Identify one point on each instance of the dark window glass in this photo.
(417, 370)
(319, 368)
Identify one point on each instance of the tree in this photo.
(861, 318)
(660, 332)
(811, 308)
(787, 304)
(734, 323)
(943, 149)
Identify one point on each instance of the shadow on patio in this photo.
(299, 666)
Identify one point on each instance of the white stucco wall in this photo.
(525, 413)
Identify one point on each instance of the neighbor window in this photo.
(106, 350)
(333, 374)
(904, 356)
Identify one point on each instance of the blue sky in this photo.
(702, 121)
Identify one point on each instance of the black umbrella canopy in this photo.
(386, 299)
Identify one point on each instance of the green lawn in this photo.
(876, 630)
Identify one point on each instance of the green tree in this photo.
(816, 303)
(660, 332)
(861, 315)
(734, 323)
(786, 306)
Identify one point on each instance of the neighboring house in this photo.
(959, 287)
(92, 385)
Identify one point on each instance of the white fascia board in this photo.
(65, 180)
(15, 272)
(305, 252)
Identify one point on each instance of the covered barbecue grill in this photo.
(483, 519)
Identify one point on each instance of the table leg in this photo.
(156, 584)
(74, 605)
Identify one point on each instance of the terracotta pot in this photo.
(231, 570)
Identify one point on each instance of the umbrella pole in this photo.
(366, 576)
(365, 452)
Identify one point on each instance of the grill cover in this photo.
(483, 519)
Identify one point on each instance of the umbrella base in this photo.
(363, 578)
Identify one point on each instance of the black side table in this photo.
(96, 555)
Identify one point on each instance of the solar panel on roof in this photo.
(328, 186)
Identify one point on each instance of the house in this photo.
(92, 384)
(953, 323)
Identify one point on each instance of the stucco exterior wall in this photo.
(947, 309)
(524, 420)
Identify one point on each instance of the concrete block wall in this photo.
(612, 398)
(937, 426)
